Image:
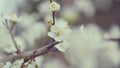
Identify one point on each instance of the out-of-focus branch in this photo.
(12, 36)
(28, 54)
(114, 39)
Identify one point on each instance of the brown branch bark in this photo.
(25, 55)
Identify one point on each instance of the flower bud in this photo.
(54, 6)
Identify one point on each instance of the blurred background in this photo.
(96, 15)
(104, 13)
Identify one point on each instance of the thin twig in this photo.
(114, 39)
(53, 15)
(12, 36)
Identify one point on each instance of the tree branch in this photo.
(27, 54)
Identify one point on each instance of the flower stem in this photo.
(50, 1)
(53, 15)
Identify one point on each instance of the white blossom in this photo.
(7, 65)
(84, 42)
(35, 31)
(17, 63)
(86, 7)
(48, 19)
(54, 6)
(70, 14)
(9, 46)
(5, 37)
(37, 63)
(7, 6)
(62, 46)
(26, 20)
(60, 30)
(115, 31)
(5, 41)
(55, 63)
(11, 17)
(43, 8)
(20, 43)
(110, 52)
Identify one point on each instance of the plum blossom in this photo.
(60, 31)
(35, 31)
(17, 64)
(48, 20)
(7, 65)
(35, 64)
(62, 46)
(86, 7)
(111, 51)
(10, 47)
(12, 17)
(83, 45)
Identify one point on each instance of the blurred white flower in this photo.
(39, 60)
(32, 65)
(110, 52)
(62, 46)
(26, 20)
(88, 63)
(54, 6)
(7, 6)
(83, 45)
(5, 40)
(20, 43)
(115, 32)
(43, 8)
(7, 65)
(60, 30)
(10, 47)
(33, 32)
(48, 19)
(54, 63)
(86, 7)
(69, 14)
(1, 24)
(17, 63)
(35, 64)
(11, 17)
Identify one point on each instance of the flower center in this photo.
(67, 27)
(53, 6)
(57, 33)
